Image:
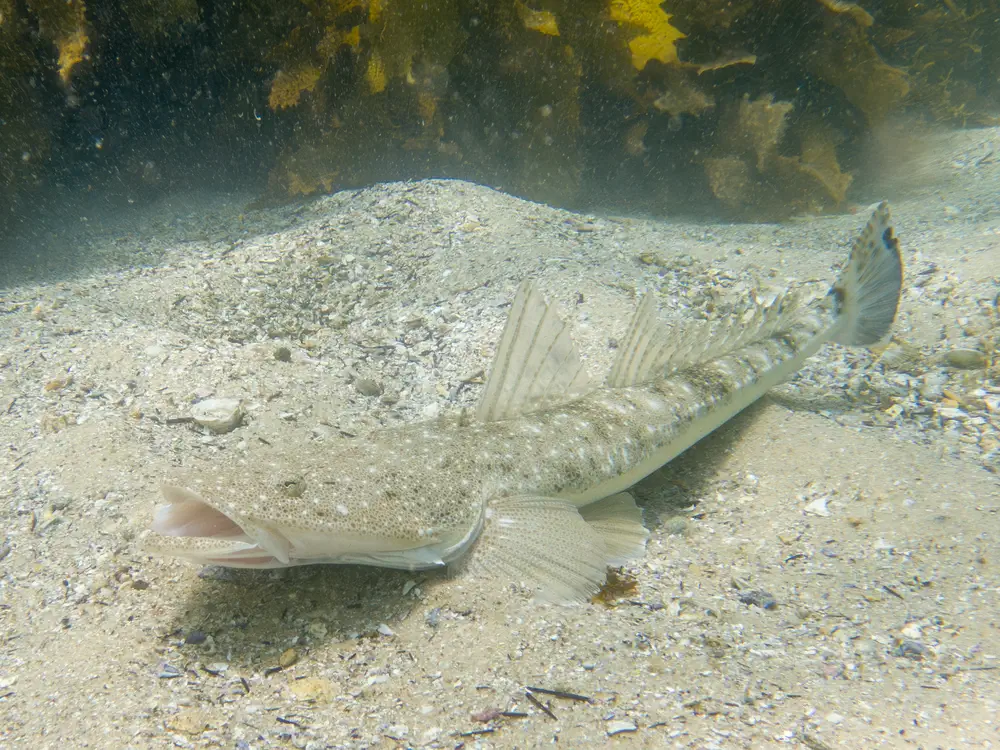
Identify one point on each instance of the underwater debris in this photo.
(63, 23)
(542, 21)
(726, 62)
(855, 11)
(288, 86)
(683, 96)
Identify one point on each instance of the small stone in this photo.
(283, 354)
(195, 638)
(189, 721)
(384, 629)
(965, 359)
(57, 384)
(834, 718)
(912, 631)
(219, 415)
(317, 689)
(317, 629)
(951, 413)
(620, 726)
(910, 649)
(288, 658)
(758, 598)
(368, 387)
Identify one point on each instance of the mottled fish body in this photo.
(532, 488)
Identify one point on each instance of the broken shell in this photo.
(620, 727)
(218, 414)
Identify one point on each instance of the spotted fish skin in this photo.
(533, 487)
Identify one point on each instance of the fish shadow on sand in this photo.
(675, 490)
(253, 615)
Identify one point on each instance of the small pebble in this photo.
(283, 354)
(316, 689)
(965, 359)
(288, 658)
(384, 629)
(368, 387)
(951, 413)
(189, 721)
(910, 649)
(758, 598)
(195, 638)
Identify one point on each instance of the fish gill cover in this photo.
(761, 106)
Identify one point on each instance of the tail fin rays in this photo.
(867, 292)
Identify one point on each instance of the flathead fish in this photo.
(531, 489)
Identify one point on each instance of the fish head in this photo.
(189, 526)
(236, 525)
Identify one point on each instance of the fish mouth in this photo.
(186, 525)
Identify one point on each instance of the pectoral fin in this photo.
(545, 544)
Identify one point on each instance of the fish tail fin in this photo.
(867, 292)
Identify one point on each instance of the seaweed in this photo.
(659, 42)
(765, 101)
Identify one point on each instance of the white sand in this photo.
(862, 498)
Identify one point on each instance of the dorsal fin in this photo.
(652, 349)
(536, 361)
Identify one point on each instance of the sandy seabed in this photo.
(821, 571)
